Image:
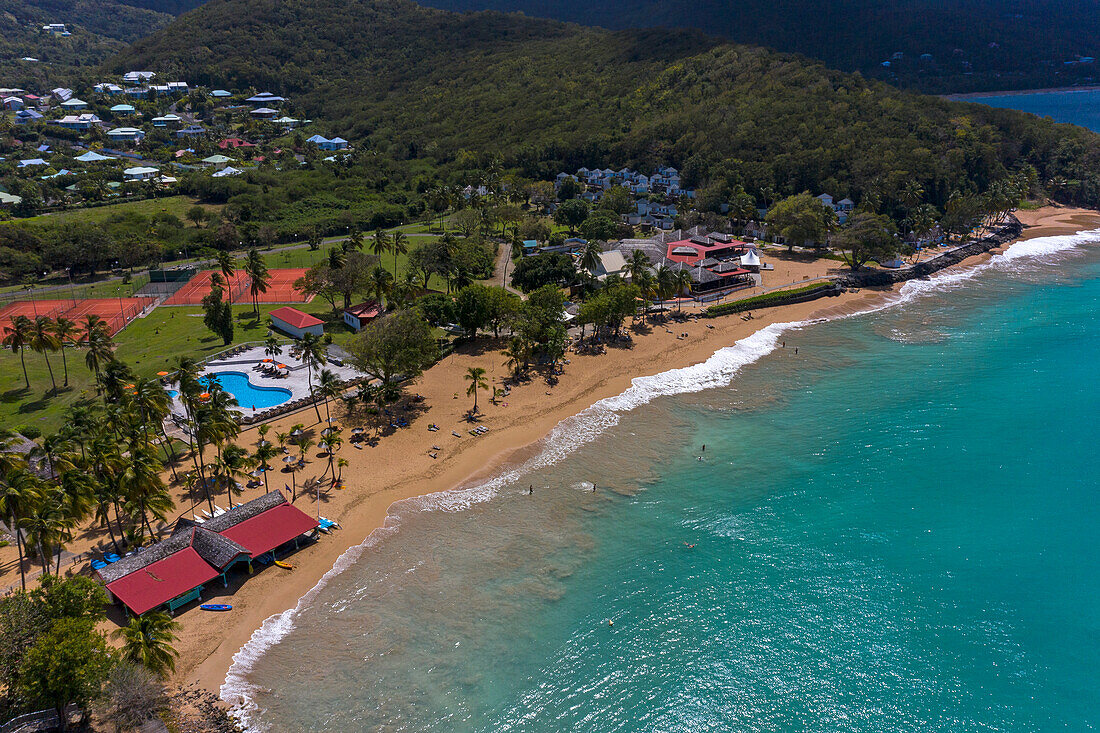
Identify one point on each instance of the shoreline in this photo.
(968, 96)
(399, 469)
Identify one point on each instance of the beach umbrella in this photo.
(356, 431)
(281, 366)
(290, 459)
(328, 431)
(163, 374)
(267, 360)
(204, 396)
(257, 473)
(129, 386)
(297, 432)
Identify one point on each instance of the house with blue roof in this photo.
(123, 109)
(31, 162)
(221, 94)
(126, 135)
(25, 116)
(191, 131)
(74, 103)
(265, 99)
(323, 143)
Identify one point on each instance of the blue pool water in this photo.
(893, 530)
(249, 395)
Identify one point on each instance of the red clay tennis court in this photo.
(280, 288)
(198, 288)
(115, 312)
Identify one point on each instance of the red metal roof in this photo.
(162, 581)
(363, 311)
(701, 251)
(266, 531)
(295, 317)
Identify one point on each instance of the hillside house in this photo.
(138, 77)
(74, 103)
(13, 103)
(265, 99)
(168, 120)
(140, 173)
(323, 143)
(25, 116)
(131, 135)
(78, 122)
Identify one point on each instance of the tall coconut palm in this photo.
(381, 285)
(328, 384)
(148, 641)
(19, 490)
(683, 283)
(228, 467)
(311, 351)
(380, 243)
(227, 267)
(590, 257)
(258, 275)
(67, 333)
(17, 337)
(44, 340)
(145, 488)
(476, 377)
(400, 246)
(262, 456)
(272, 349)
(354, 240)
(99, 352)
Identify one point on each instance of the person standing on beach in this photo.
(531, 490)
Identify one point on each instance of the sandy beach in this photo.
(399, 466)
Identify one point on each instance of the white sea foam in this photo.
(574, 432)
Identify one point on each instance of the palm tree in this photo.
(148, 641)
(100, 349)
(399, 245)
(380, 244)
(227, 267)
(517, 355)
(228, 466)
(328, 384)
(44, 340)
(272, 348)
(66, 332)
(683, 284)
(17, 337)
(590, 257)
(637, 264)
(262, 456)
(381, 283)
(354, 240)
(145, 490)
(311, 351)
(476, 377)
(19, 490)
(258, 275)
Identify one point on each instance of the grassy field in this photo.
(148, 345)
(177, 205)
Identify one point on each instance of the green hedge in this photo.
(767, 299)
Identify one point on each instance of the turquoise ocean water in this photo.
(893, 530)
(1078, 107)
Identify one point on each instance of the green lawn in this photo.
(177, 205)
(148, 345)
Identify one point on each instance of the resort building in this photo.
(295, 323)
(173, 572)
(323, 143)
(360, 315)
(140, 173)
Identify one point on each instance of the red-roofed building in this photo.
(360, 315)
(232, 143)
(296, 323)
(160, 582)
(172, 572)
(692, 251)
(274, 527)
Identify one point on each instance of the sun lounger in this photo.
(111, 557)
(198, 519)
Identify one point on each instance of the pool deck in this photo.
(296, 381)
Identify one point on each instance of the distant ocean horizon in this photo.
(1072, 106)
(892, 530)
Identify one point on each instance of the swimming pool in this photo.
(249, 395)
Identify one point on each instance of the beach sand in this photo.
(400, 466)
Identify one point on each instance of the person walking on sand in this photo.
(531, 490)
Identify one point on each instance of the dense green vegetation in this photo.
(974, 44)
(412, 82)
(99, 29)
(762, 301)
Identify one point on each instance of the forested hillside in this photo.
(973, 44)
(99, 29)
(411, 81)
